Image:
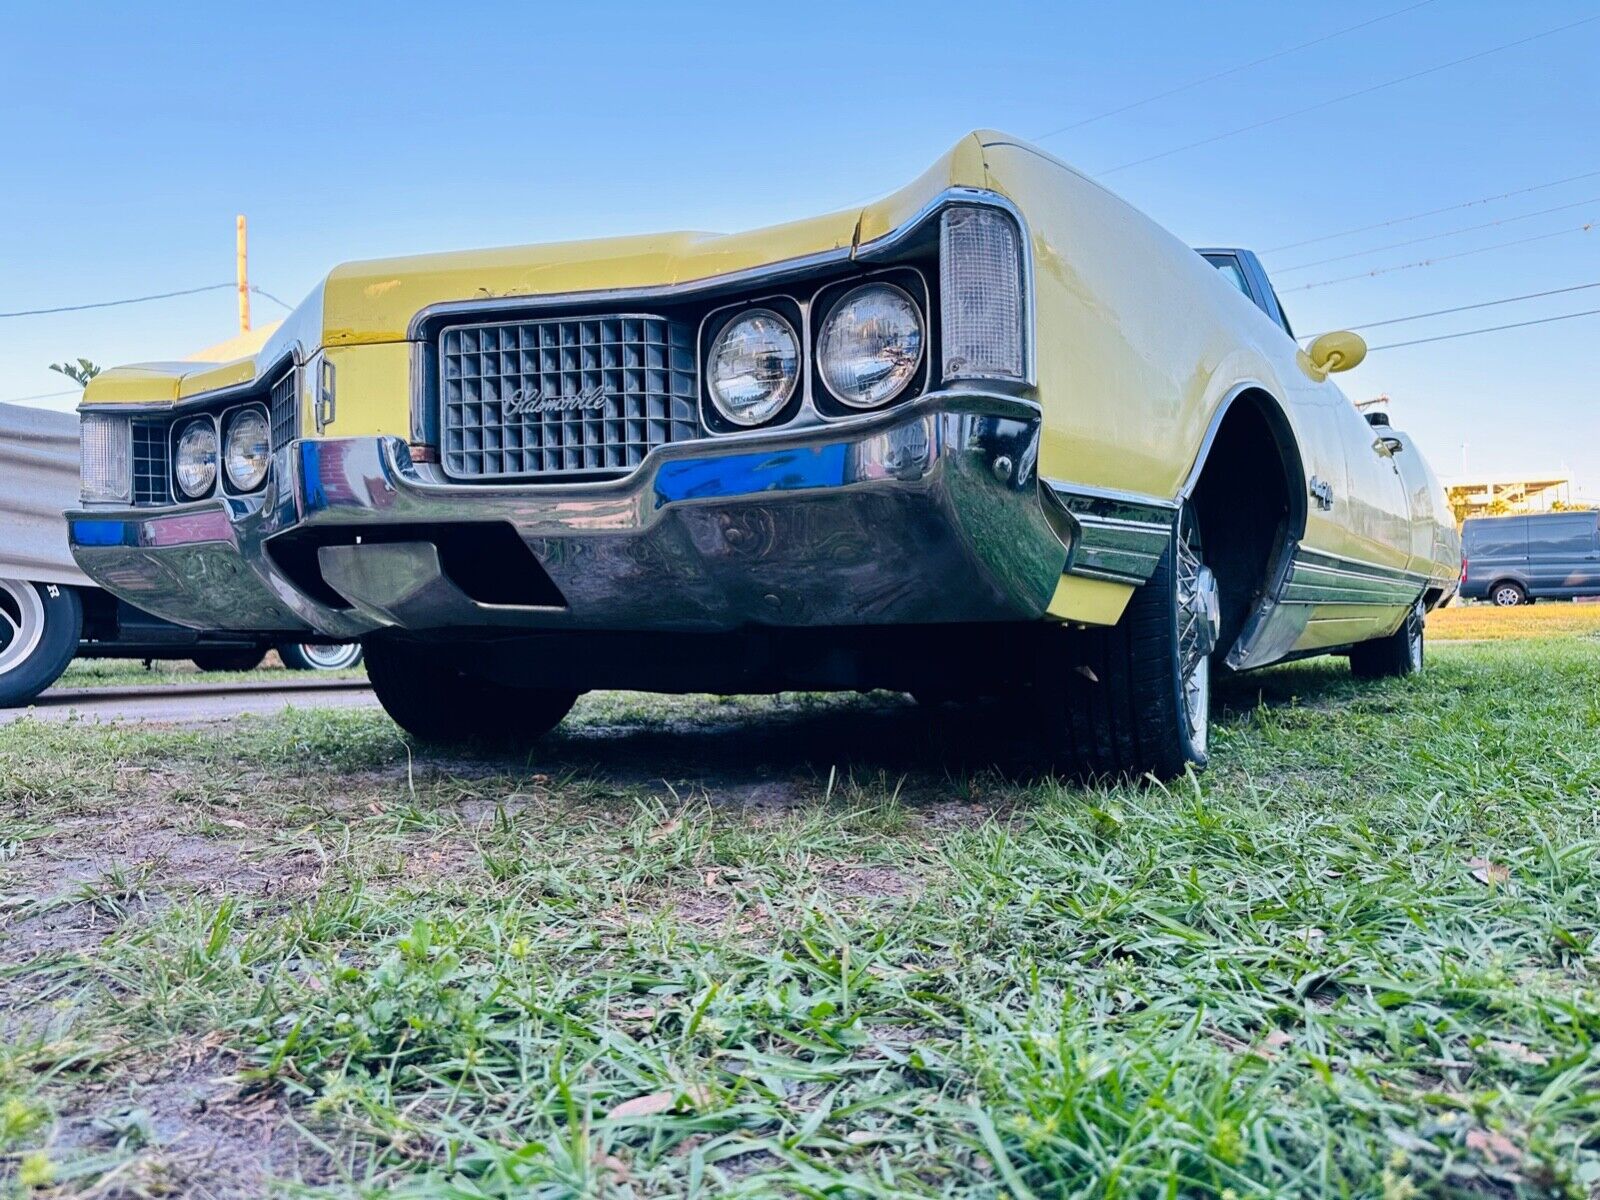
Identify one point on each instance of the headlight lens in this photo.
(754, 366)
(246, 450)
(195, 462)
(871, 345)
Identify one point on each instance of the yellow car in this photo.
(997, 434)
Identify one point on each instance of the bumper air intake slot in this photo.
(486, 562)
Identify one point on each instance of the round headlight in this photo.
(871, 345)
(246, 450)
(753, 367)
(195, 463)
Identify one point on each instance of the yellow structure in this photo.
(1507, 494)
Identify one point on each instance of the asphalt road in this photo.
(191, 704)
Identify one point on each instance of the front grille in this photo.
(580, 396)
(151, 471)
(284, 410)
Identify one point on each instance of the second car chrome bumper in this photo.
(929, 513)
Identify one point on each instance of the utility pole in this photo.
(242, 271)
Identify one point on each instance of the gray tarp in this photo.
(38, 482)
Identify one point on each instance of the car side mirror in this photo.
(1337, 351)
(1394, 444)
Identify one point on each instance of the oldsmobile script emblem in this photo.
(526, 401)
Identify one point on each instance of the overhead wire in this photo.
(1365, 91)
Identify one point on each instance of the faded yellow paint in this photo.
(1091, 601)
(372, 385)
(1138, 342)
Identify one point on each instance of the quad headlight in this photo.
(246, 449)
(753, 367)
(871, 345)
(194, 460)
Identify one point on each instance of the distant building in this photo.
(1509, 494)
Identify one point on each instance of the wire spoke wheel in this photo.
(1198, 621)
(21, 623)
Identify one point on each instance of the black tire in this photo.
(1116, 702)
(1399, 654)
(307, 657)
(40, 627)
(1508, 593)
(228, 660)
(433, 700)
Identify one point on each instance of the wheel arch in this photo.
(1249, 451)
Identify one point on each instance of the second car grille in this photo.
(283, 409)
(150, 470)
(578, 396)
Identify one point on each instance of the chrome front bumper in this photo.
(929, 513)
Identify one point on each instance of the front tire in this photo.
(1134, 699)
(1399, 654)
(40, 626)
(433, 700)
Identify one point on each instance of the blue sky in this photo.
(354, 130)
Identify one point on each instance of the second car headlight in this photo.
(871, 345)
(246, 449)
(194, 463)
(753, 367)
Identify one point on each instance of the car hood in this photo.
(375, 301)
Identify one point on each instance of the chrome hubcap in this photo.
(1199, 626)
(21, 623)
(331, 658)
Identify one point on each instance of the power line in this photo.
(263, 292)
(1366, 91)
(1445, 337)
(35, 312)
(1194, 83)
(1428, 262)
(42, 396)
(1442, 312)
(1432, 212)
(1433, 237)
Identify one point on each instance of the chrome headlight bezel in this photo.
(780, 400)
(252, 475)
(203, 453)
(835, 313)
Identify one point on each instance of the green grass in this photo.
(125, 672)
(695, 947)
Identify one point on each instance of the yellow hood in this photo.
(374, 301)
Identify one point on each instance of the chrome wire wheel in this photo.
(21, 623)
(1199, 624)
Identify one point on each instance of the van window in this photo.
(1497, 536)
(1561, 533)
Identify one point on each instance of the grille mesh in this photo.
(576, 396)
(283, 409)
(151, 472)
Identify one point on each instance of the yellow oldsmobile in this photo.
(996, 435)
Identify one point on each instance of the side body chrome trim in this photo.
(1116, 536)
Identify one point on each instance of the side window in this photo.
(1565, 534)
(1231, 271)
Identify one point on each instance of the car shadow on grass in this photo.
(745, 743)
